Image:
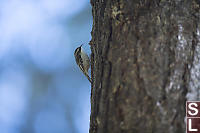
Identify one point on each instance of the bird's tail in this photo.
(88, 77)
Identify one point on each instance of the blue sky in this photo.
(41, 88)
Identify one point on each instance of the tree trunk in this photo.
(145, 64)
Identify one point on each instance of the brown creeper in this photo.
(82, 61)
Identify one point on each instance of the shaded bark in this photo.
(143, 53)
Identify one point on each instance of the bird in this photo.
(83, 61)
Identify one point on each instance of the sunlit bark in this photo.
(145, 64)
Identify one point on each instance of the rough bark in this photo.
(143, 53)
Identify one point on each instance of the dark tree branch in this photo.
(143, 54)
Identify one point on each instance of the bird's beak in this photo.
(81, 45)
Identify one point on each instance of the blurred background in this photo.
(41, 88)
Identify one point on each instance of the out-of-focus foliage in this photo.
(41, 88)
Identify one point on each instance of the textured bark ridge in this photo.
(145, 56)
